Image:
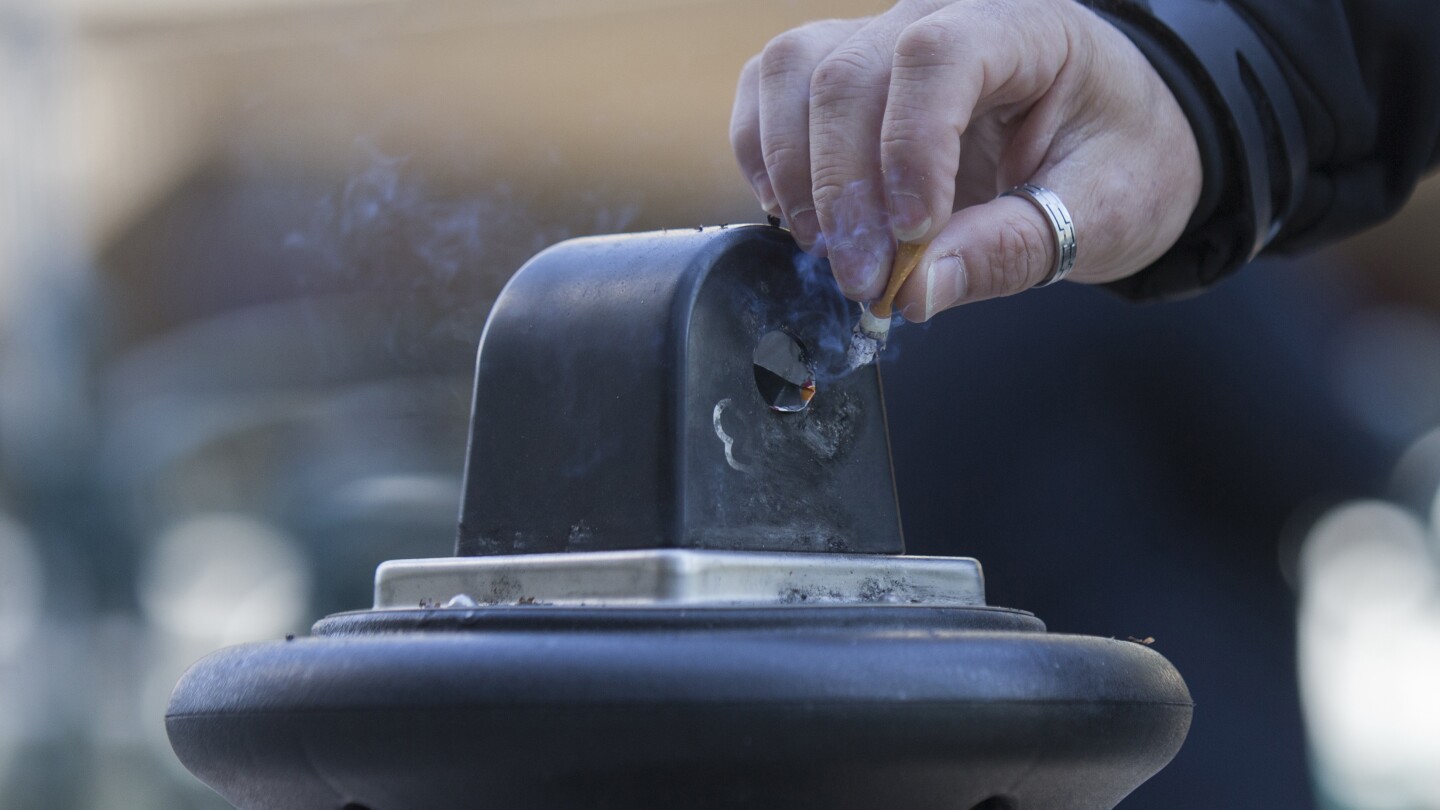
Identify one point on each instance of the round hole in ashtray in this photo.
(782, 372)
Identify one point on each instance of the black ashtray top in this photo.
(679, 582)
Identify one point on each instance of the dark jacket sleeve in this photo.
(1326, 127)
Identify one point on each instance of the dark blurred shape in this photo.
(1416, 481)
(1387, 370)
(1126, 470)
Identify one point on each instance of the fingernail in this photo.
(765, 193)
(944, 284)
(913, 313)
(855, 269)
(805, 227)
(909, 219)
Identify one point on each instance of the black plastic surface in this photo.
(804, 715)
(793, 619)
(616, 405)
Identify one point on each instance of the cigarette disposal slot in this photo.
(783, 373)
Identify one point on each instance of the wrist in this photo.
(1243, 116)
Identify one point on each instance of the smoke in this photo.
(825, 310)
(823, 313)
(825, 316)
(439, 259)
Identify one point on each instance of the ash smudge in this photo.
(831, 436)
(581, 536)
(889, 591)
(803, 595)
(501, 590)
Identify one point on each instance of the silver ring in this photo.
(1049, 203)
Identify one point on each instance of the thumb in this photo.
(999, 248)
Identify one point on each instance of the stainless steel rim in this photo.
(679, 577)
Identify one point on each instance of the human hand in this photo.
(907, 125)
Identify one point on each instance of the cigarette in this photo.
(907, 257)
(874, 326)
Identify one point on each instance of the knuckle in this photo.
(743, 141)
(827, 185)
(780, 155)
(751, 70)
(906, 141)
(787, 53)
(844, 73)
(906, 104)
(1008, 12)
(740, 141)
(926, 42)
(911, 162)
(1019, 258)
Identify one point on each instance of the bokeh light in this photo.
(1416, 482)
(1369, 649)
(22, 586)
(225, 578)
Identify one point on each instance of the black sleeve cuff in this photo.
(1241, 111)
(1191, 265)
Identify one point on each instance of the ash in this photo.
(863, 350)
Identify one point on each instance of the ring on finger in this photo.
(1060, 223)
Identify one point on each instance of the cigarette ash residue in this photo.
(862, 352)
(787, 496)
(826, 430)
(581, 537)
(829, 437)
(872, 589)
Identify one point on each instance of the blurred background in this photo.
(247, 248)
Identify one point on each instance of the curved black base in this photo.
(791, 618)
(538, 707)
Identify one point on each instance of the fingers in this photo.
(745, 136)
(920, 136)
(786, 67)
(1100, 129)
(949, 66)
(889, 107)
(770, 123)
(985, 251)
(847, 107)
(853, 131)
(866, 132)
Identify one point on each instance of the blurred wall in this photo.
(628, 93)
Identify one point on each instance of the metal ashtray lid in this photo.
(679, 577)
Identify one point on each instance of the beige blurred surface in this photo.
(621, 94)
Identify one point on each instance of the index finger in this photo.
(949, 67)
